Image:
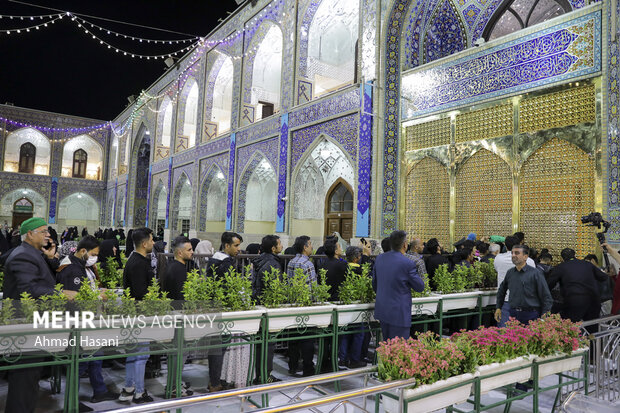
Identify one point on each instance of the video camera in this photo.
(595, 219)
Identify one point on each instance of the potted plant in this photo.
(356, 298)
(557, 344)
(437, 366)
(230, 295)
(423, 303)
(489, 282)
(498, 350)
(452, 285)
(299, 310)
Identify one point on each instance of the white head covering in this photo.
(204, 247)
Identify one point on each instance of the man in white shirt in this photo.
(502, 263)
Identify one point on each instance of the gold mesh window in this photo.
(557, 188)
(483, 196)
(428, 134)
(427, 204)
(486, 123)
(554, 110)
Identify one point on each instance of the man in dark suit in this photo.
(27, 271)
(393, 277)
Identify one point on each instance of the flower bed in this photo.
(489, 352)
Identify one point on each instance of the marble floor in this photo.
(197, 374)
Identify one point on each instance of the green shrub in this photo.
(28, 306)
(155, 301)
(110, 273)
(7, 312)
(298, 292)
(237, 290)
(87, 298)
(357, 287)
(489, 275)
(319, 287)
(54, 302)
(275, 291)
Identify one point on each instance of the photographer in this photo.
(615, 306)
(578, 285)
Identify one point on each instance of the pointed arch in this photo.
(181, 203)
(93, 161)
(257, 187)
(263, 70)
(328, 56)
(220, 92)
(19, 137)
(515, 15)
(159, 199)
(427, 201)
(563, 175)
(480, 207)
(164, 123)
(9, 199)
(114, 154)
(139, 177)
(187, 117)
(213, 197)
(445, 33)
(78, 209)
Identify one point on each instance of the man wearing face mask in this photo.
(75, 269)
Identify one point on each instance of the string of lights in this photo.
(125, 52)
(34, 27)
(134, 38)
(199, 47)
(40, 16)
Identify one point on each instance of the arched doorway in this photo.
(142, 180)
(339, 210)
(22, 210)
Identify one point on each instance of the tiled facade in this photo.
(432, 39)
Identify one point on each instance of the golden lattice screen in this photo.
(483, 196)
(428, 134)
(557, 188)
(554, 110)
(485, 123)
(427, 205)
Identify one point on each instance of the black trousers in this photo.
(581, 307)
(306, 348)
(23, 390)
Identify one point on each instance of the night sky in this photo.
(60, 69)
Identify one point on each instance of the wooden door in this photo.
(339, 210)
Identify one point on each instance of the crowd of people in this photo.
(528, 286)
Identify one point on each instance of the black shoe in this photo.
(343, 364)
(126, 396)
(522, 387)
(84, 408)
(272, 379)
(144, 398)
(357, 364)
(104, 397)
(308, 373)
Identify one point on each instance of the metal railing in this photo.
(244, 393)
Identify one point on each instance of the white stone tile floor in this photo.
(197, 375)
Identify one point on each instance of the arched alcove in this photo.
(257, 197)
(213, 197)
(93, 158)
(114, 157)
(181, 206)
(158, 207)
(322, 164)
(138, 190)
(188, 116)
(13, 145)
(221, 107)
(80, 210)
(427, 201)
(7, 204)
(332, 43)
(164, 129)
(556, 188)
(267, 73)
(483, 196)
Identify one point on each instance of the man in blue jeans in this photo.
(137, 276)
(529, 293)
